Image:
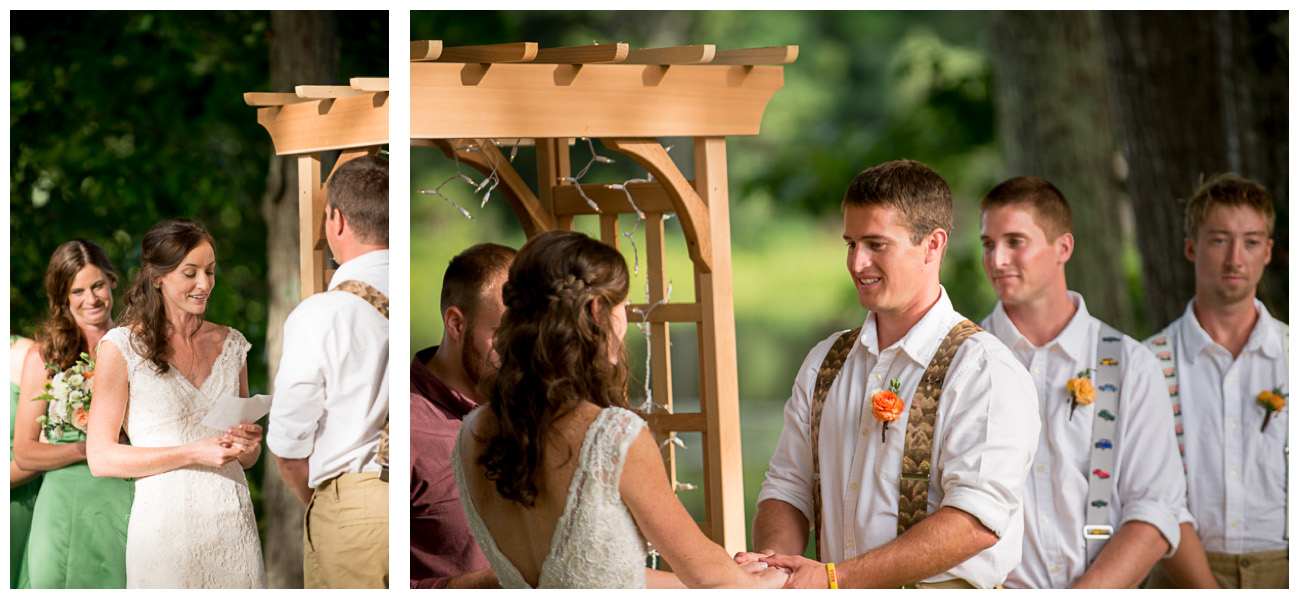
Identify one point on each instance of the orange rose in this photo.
(1277, 401)
(886, 406)
(1083, 391)
(81, 418)
(88, 374)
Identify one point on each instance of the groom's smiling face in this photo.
(186, 287)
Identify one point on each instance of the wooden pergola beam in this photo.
(328, 124)
(463, 100)
(692, 211)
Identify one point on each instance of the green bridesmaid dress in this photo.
(78, 537)
(21, 501)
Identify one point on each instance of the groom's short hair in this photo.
(471, 273)
(359, 190)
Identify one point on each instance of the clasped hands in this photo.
(241, 442)
(245, 438)
(802, 573)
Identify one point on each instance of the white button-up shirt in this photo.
(1147, 477)
(331, 393)
(985, 433)
(1237, 474)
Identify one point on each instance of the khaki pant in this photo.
(345, 533)
(1258, 570)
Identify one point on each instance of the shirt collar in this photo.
(1073, 340)
(923, 339)
(358, 265)
(1264, 337)
(427, 385)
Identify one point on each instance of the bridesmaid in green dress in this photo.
(23, 485)
(78, 534)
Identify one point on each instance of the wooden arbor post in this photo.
(314, 119)
(462, 98)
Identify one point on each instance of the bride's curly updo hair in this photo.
(554, 354)
(163, 249)
(60, 339)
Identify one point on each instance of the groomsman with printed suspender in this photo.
(1225, 362)
(906, 445)
(330, 408)
(1103, 500)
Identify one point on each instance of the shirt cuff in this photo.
(981, 505)
(286, 447)
(804, 505)
(1157, 516)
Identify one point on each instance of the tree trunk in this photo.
(1054, 122)
(304, 50)
(1196, 94)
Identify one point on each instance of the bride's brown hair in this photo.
(162, 250)
(554, 353)
(59, 337)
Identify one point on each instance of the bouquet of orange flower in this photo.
(68, 394)
(1081, 391)
(886, 406)
(1273, 401)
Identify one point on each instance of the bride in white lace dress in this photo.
(562, 485)
(192, 522)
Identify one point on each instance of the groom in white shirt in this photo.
(1104, 499)
(932, 504)
(331, 393)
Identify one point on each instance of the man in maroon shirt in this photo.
(444, 383)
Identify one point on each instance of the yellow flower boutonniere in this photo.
(1273, 401)
(886, 406)
(1081, 391)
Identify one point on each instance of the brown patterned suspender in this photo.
(914, 485)
(378, 300)
(825, 375)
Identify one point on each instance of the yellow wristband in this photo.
(830, 576)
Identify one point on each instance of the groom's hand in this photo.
(805, 573)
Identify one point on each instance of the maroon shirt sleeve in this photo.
(442, 545)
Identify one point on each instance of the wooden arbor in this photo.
(318, 118)
(462, 98)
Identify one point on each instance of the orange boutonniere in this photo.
(1273, 401)
(1081, 391)
(886, 406)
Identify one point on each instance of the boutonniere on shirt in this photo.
(886, 405)
(1273, 401)
(1081, 391)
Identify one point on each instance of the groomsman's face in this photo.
(186, 288)
(1019, 260)
(91, 296)
(1230, 252)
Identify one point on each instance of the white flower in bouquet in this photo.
(68, 394)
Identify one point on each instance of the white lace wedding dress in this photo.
(596, 542)
(192, 527)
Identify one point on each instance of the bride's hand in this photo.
(213, 452)
(246, 437)
(767, 577)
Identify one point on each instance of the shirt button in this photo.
(1232, 378)
(1046, 520)
(1233, 524)
(1232, 474)
(865, 431)
(1232, 425)
(1037, 371)
(1041, 468)
(848, 544)
(1056, 569)
(877, 376)
(853, 486)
